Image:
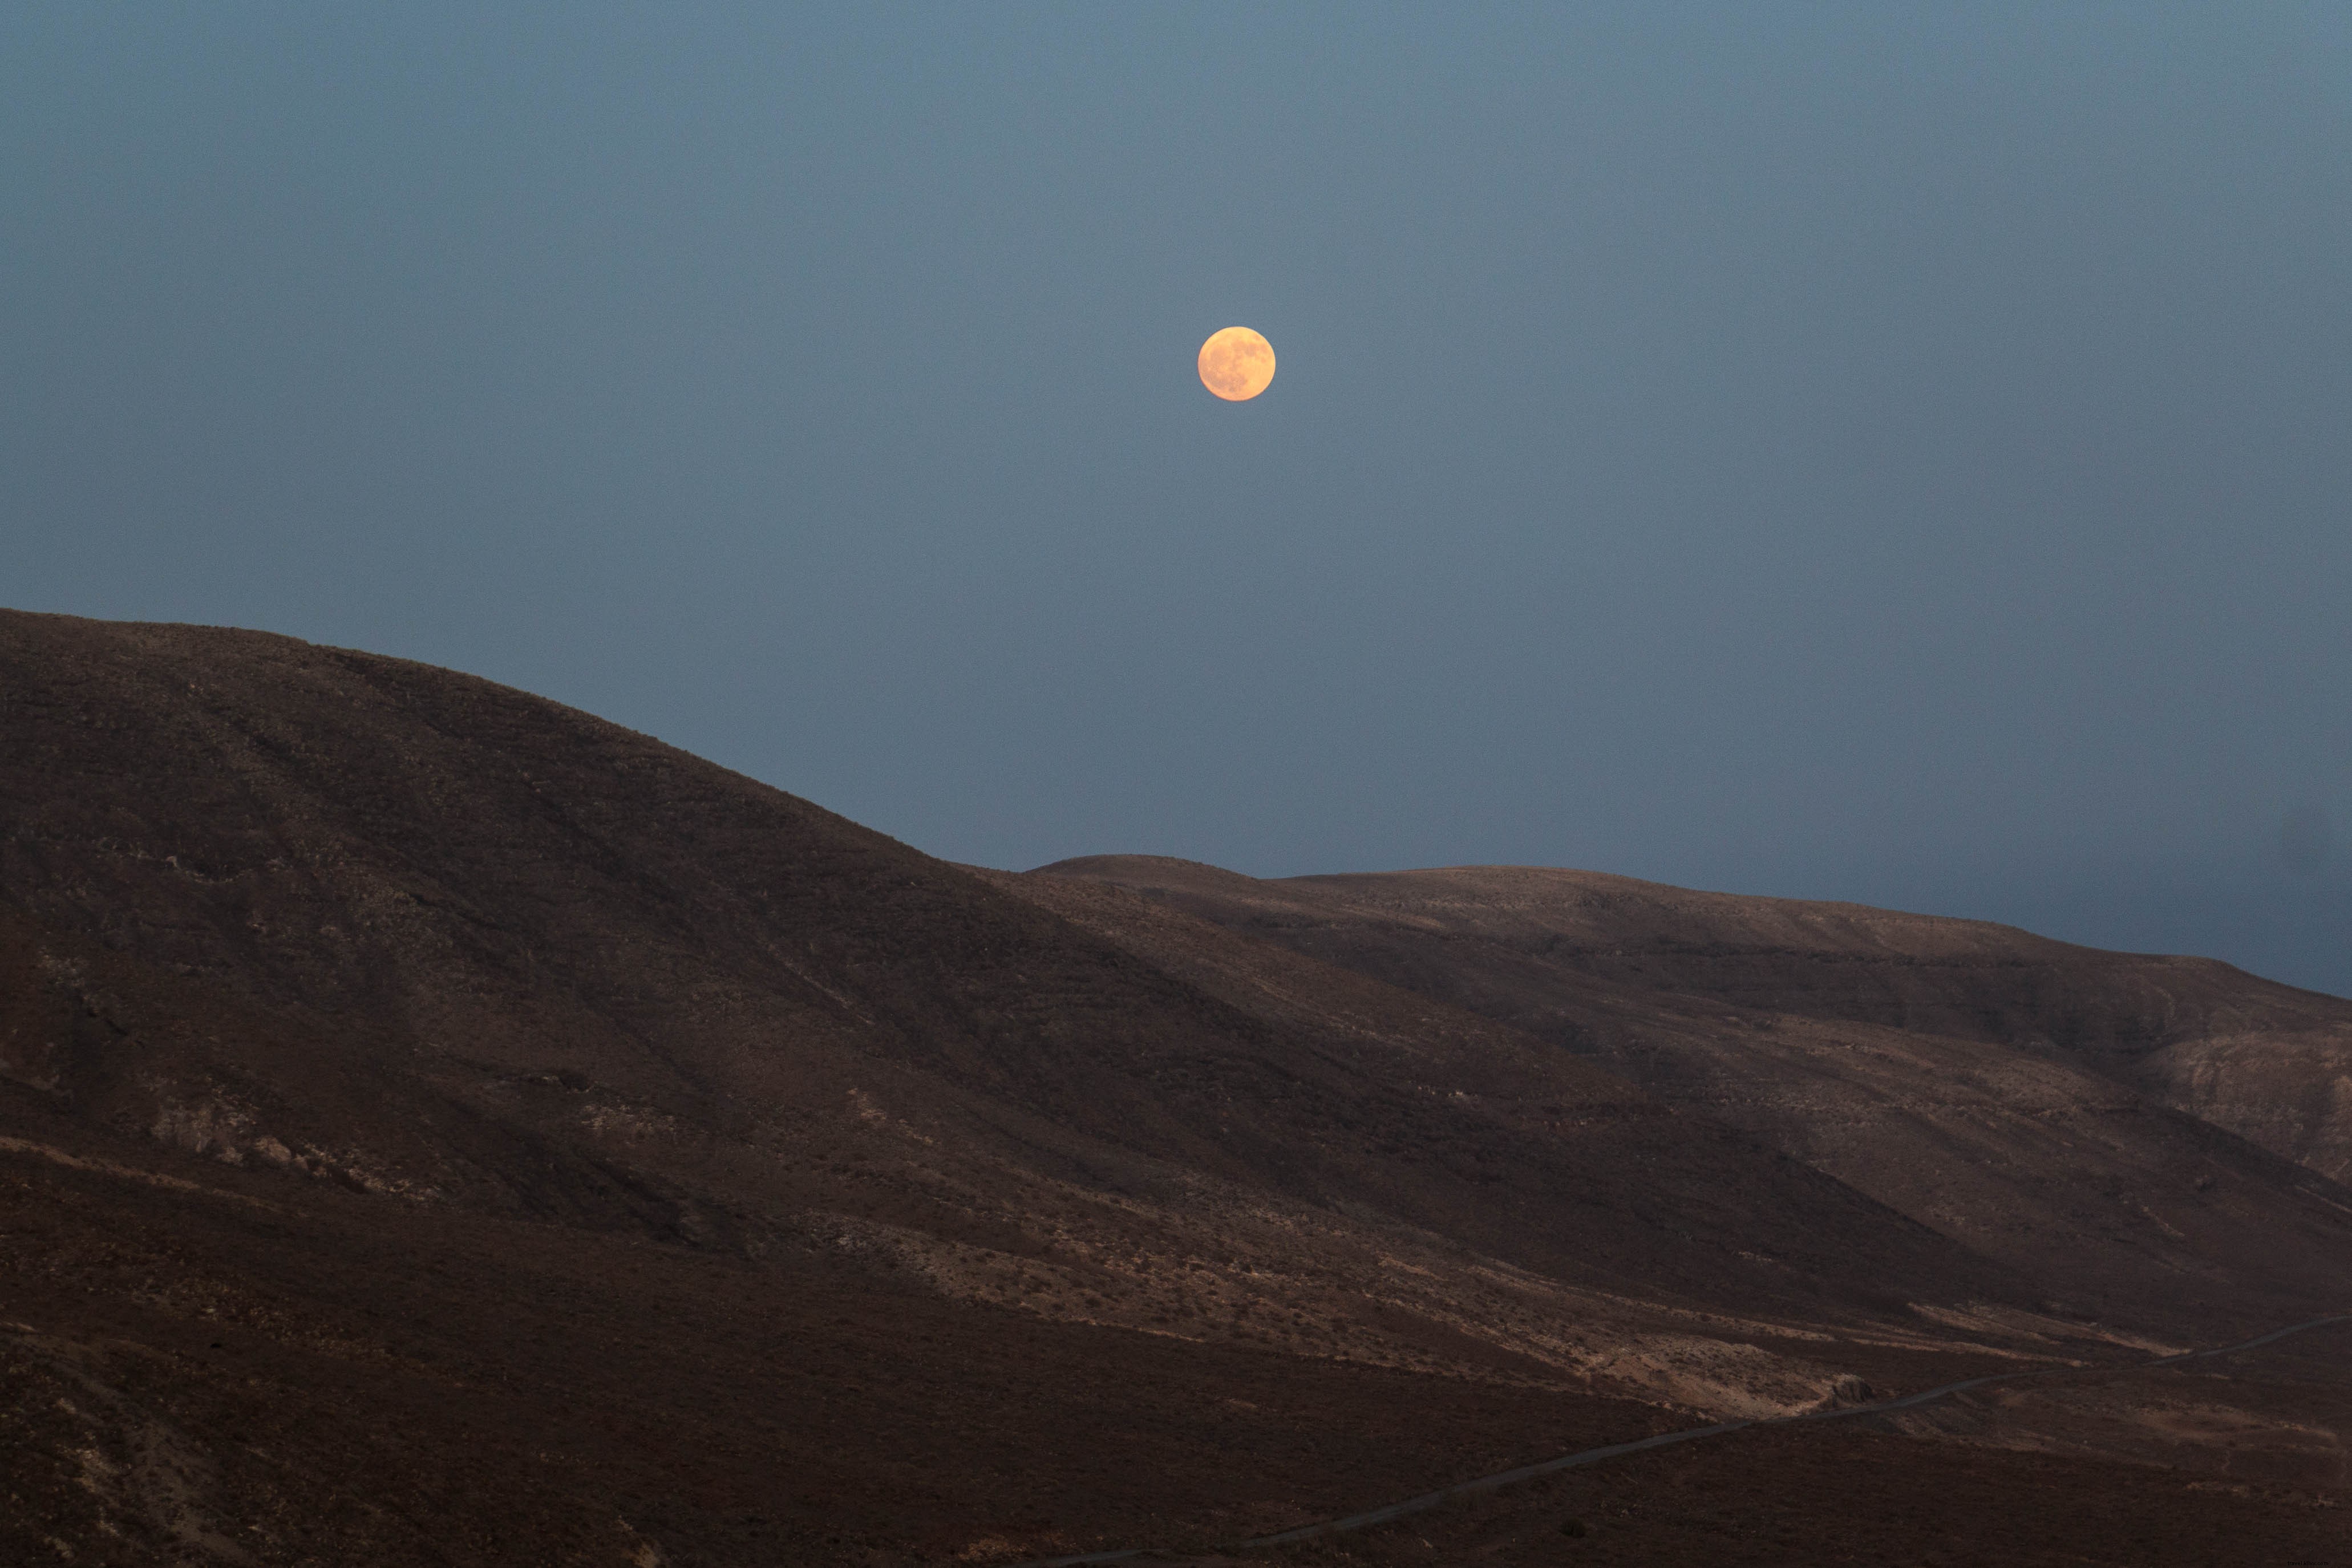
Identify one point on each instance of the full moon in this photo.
(1236, 364)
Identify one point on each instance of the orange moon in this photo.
(1236, 364)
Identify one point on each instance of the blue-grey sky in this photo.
(1875, 451)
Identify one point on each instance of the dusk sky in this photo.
(1885, 452)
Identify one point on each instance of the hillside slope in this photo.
(1510, 934)
(438, 1124)
(1979, 1078)
(402, 929)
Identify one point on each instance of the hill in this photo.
(2013, 1093)
(433, 1119)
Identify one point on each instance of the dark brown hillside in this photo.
(468, 947)
(439, 1126)
(1508, 933)
(1532, 945)
(2018, 1149)
(202, 1364)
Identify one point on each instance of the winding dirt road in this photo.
(1691, 1434)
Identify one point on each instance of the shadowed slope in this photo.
(1755, 1012)
(206, 1365)
(430, 1116)
(1507, 931)
(506, 955)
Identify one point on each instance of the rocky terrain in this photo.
(439, 1126)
